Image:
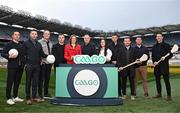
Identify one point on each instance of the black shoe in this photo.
(48, 96)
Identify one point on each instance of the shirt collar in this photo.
(45, 40)
(128, 47)
(139, 46)
(33, 41)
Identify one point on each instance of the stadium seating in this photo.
(6, 31)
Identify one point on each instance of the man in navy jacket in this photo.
(141, 68)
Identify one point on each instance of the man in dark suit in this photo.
(33, 54)
(15, 67)
(114, 46)
(159, 50)
(126, 55)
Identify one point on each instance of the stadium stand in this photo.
(23, 20)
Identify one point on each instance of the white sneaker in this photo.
(10, 102)
(124, 97)
(132, 97)
(17, 99)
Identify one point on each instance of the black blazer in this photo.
(15, 62)
(58, 52)
(114, 48)
(122, 60)
(159, 50)
(33, 52)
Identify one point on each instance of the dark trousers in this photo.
(119, 84)
(13, 79)
(131, 81)
(32, 75)
(44, 78)
(55, 65)
(167, 83)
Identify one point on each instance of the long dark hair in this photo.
(105, 51)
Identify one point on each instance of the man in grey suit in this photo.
(44, 76)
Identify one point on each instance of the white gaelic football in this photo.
(50, 59)
(13, 51)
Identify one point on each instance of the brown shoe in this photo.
(37, 100)
(157, 96)
(168, 98)
(29, 102)
(146, 95)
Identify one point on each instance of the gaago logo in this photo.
(86, 59)
(86, 82)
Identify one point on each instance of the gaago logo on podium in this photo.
(86, 59)
(86, 82)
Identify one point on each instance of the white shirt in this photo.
(108, 55)
(127, 47)
(139, 46)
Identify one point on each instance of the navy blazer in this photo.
(158, 51)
